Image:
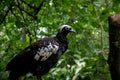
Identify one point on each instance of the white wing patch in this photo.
(46, 52)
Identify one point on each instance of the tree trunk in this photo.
(114, 41)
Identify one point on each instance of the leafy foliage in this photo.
(25, 21)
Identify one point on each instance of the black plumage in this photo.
(39, 57)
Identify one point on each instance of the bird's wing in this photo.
(45, 50)
(38, 51)
(20, 59)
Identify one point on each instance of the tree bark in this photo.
(114, 44)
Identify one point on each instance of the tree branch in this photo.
(20, 10)
(1, 21)
(28, 4)
(114, 42)
(100, 25)
(39, 7)
(24, 11)
(13, 13)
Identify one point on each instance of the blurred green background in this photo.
(22, 22)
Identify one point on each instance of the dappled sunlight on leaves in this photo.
(86, 57)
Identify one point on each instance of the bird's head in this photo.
(63, 32)
(65, 29)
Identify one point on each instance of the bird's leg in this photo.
(39, 77)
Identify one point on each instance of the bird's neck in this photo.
(61, 37)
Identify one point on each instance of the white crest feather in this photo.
(61, 27)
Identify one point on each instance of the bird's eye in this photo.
(67, 28)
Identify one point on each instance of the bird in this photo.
(39, 57)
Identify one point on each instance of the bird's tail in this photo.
(13, 76)
(39, 78)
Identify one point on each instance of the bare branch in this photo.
(28, 4)
(39, 7)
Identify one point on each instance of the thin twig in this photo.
(101, 27)
(25, 11)
(28, 4)
(13, 13)
(20, 10)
